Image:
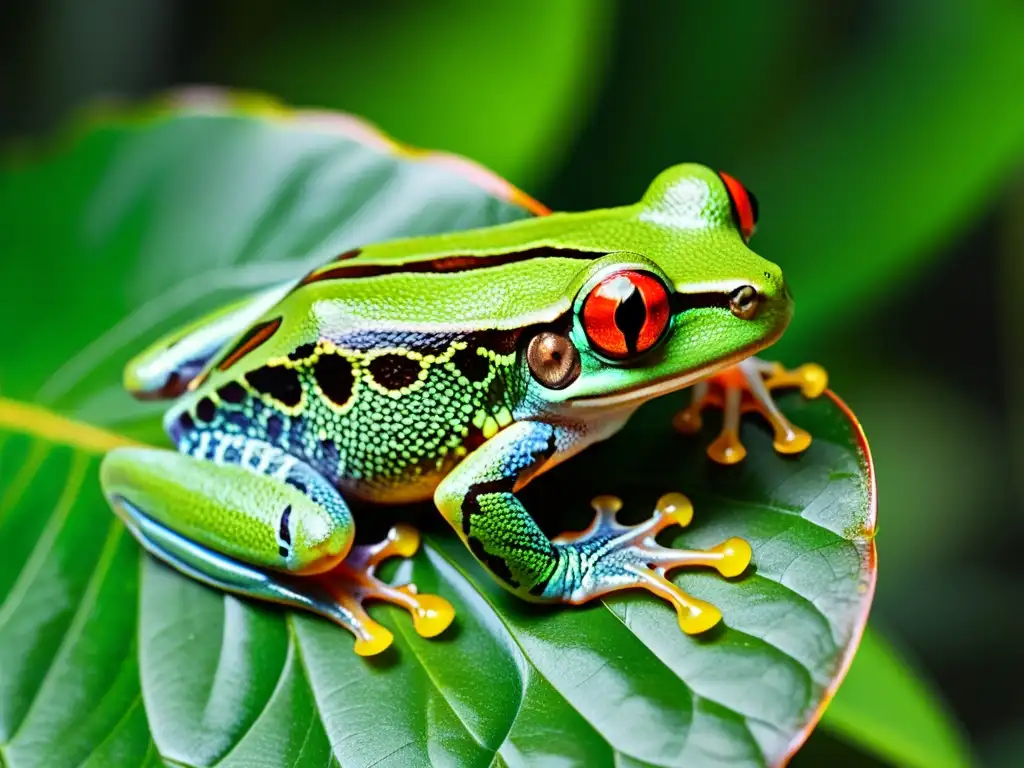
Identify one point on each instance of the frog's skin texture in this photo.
(455, 367)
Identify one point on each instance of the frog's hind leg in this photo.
(264, 525)
(223, 572)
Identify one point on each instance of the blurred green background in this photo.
(885, 141)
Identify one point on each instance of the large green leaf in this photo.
(174, 217)
(110, 658)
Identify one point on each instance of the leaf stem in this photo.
(40, 422)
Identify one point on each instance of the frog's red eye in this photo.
(744, 206)
(625, 314)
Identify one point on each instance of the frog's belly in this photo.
(405, 489)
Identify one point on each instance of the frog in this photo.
(456, 368)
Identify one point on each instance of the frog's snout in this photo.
(781, 303)
(770, 303)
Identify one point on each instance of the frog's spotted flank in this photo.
(471, 364)
(185, 423)
(302, 352)
(232, 392)
(205, 410)
(253, 338)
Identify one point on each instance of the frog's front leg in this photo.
(173, 364)
(747, 388)
(479, 499)
(264, 525)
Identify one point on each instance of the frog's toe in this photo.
(431, 614)
(727, 448)
(688, 421)
(401, 541)
(371, 638)
(377, 640)
(695, 616)
(747, 388)
(810, 377)
(623, 557)
(355, 580)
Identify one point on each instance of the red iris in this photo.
(626, 314)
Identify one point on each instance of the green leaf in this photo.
(110, 657)
(886, 708)
(276, 196)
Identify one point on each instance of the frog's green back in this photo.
(504, 278)
(522, 273)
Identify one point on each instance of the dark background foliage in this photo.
(883, 139)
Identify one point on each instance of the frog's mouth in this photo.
(671, 383)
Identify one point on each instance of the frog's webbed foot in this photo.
(747, 388)
(337, 595)
(354, 581)
(608, 556)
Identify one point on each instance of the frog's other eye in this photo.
(744, 206)
(626, 314)
(743, 302)
(554, 360)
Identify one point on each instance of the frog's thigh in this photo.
(301, 526)
(254, 531)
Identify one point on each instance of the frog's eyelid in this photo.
(743, 203)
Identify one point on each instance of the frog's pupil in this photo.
(630, 316)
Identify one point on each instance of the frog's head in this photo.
(684, 298)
